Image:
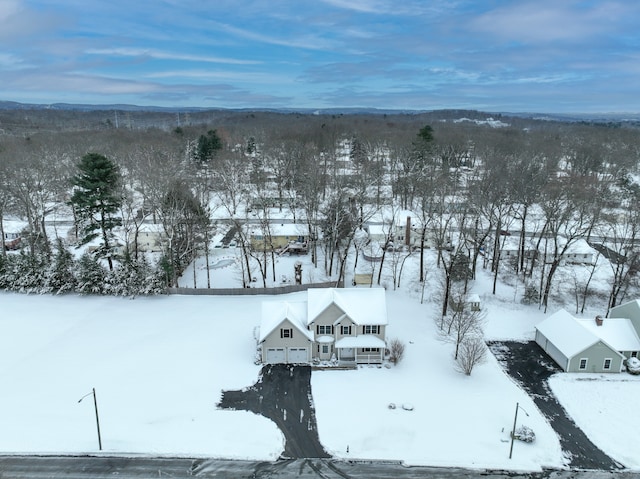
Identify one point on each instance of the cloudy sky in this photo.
(493, 55)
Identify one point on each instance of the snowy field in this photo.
(160, 364)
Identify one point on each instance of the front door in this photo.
(325, 352)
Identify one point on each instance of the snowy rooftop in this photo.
(14, 225)
(363, 306)
(274, 312)
(618, 333)
(283, 229)
(572, 335)
(566, 333)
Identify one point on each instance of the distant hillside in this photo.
(446, 114)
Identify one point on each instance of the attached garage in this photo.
(276, 355)
(575, 347)
(298, 355)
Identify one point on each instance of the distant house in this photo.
(578, 252)
(340, 325)
(151, 238)
(279, 236)
(405, 232)
(588, 345)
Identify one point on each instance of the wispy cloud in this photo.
(308, 41)
(162, 55)
(546, 21)
(502, 54)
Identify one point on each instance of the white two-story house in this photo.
(344, 325)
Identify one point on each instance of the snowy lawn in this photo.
(159, 365)
(605, 408)
(457, 420)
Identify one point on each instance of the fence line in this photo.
(293, 288)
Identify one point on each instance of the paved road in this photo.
(101, 467)
(527, 363)
(283, 394)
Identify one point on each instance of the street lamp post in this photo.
(95, 405)
(513, 431)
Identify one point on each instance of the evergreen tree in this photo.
(91, 275)
(96, 201)
(61, 278)
(29, 273)
(127, 279)
(208, 146)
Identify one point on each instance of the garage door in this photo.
(275, 355)
(298, 355)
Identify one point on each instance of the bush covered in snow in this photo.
(525, 434)
(60, 273)
(633, 366)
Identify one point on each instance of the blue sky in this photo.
(494, 55)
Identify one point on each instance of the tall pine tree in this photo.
(96, 200)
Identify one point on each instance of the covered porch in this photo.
(363, 349)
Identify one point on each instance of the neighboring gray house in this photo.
(588, 345)
(629, 310)
(344, 325)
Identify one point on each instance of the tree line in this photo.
(464, 183)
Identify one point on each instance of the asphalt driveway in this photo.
(530, 367)
(283, 394)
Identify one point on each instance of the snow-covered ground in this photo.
(159, 365)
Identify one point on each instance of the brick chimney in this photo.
(599, 320)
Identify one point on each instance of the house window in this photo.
(370, 350)
(286, 333)
(325, 349)
(328, 329)
(345, 330)
(634, 354)
(607, 364)
(583, 364)
(371, 329)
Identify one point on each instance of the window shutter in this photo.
(281, 333)
(317, 329)
(291, 333)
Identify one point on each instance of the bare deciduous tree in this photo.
(396, 350)
(472, 352)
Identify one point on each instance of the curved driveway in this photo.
(527, 363)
